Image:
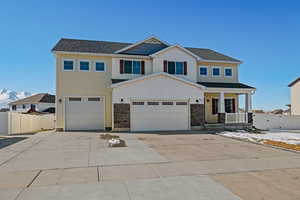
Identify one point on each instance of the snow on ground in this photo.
(287, 137)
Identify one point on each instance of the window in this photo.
(167, 103)
(14, 107)
(153, 103)
(179, 68)
(132, 67)
(216, 71)
(24, 106)
(136, 67)
(175, 67)
(94, 99)
(68, 65)
(215, 103)
(84, 65)
(181, 103)
(138, 103)
(99, 66)
(229, 105)
(228, 71)
(203, 71)
(74, 99)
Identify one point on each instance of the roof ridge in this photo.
(95, 40)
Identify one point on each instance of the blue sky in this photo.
(263, 34)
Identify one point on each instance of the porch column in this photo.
(248, 107)
(221, 108)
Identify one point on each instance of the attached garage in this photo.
(84, 113)
(159, 115)
(157, 102)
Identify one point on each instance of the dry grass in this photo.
(108, 136)
(283, 145)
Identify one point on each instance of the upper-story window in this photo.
(228, 71)
(132, 67)
(68, 65)
(100, 66)
(172, 67)
(216, 71)
(84, 65)
(203, 71)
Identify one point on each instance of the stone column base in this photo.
(221, 118)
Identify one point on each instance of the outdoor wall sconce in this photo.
(122, 100)
(197, 100)
(207, 100)
(59, 100)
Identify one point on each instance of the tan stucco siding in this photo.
(210, 118)
(78, 83)
(295, 99)
(222, 78)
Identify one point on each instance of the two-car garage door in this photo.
(159, 115)
(84, 113)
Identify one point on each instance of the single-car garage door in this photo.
(159, 115)
(84, 113)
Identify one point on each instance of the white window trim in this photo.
(63, 65)
(231, 72)
(84, 61)
(176, 68)
(102, 62)
(132, 67)
(207, 72)
(212, 72)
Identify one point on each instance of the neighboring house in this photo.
(295, 97)
(39, 102)
(145, 86)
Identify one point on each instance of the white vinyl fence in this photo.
(26, 123)
(271, 121)
(3, 123)
(231, 118)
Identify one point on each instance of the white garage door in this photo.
(159, 115)
(85, 113)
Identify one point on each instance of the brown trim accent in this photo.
(142, 67)
(185, 68)
(165, 66)
(121, 66)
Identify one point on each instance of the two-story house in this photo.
(149, 85)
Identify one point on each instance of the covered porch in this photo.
(223, 106)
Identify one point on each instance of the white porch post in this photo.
(248, 102)
(221, 107)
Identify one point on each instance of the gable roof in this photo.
(34, 99)
(176, 46)
(146, 49)
(155, 75)
(294, 82)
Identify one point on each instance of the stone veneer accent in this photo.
(221, 118)
(121, 115)
(250, 118)
(197, 114)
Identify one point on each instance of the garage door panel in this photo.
(159, 117)
(87, 114)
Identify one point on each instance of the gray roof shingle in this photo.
(91, 46)
(225, 85)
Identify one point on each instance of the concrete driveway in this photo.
(153, 166)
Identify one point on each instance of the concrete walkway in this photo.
(81, 166)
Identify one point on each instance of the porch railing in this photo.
(232, 118)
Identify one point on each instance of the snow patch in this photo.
(287, 137)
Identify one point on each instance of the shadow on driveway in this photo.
(4, 142)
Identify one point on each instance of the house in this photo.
(295, 97)
(42, 102)
(149, 85)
